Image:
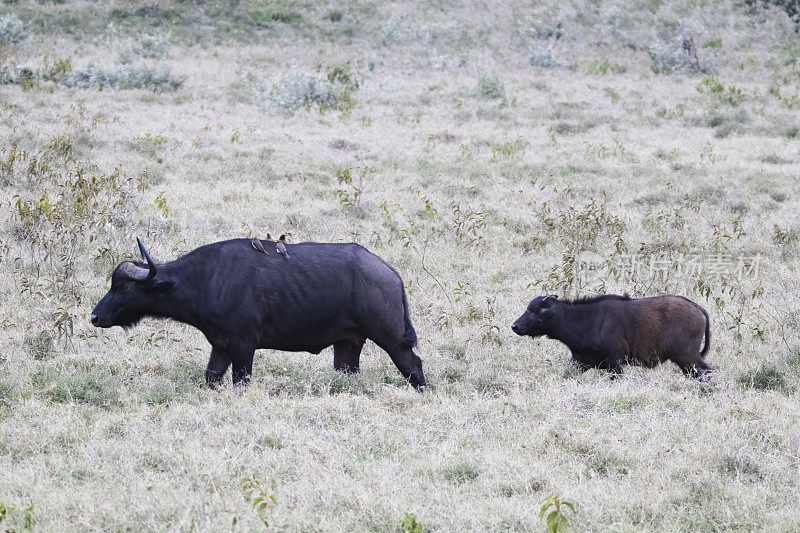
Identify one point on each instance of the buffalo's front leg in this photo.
(614, 365)
(218, 364)
(579, 363)
(347, 356)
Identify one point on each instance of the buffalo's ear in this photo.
(163, 285)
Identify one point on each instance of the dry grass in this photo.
(462, 153)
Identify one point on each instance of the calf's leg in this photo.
(578, 361)
(347, 356)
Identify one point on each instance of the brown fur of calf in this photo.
(609, 331)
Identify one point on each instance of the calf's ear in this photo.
(548, 300)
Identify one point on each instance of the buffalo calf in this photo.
(609, 331)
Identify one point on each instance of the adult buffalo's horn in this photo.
(134, 272)
(151, 266)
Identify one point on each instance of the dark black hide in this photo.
(242, 300)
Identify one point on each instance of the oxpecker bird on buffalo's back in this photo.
(280, 246)
(336, 295)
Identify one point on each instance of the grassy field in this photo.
(481, 148)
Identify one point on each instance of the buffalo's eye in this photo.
(117, 288)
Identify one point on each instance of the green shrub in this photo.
(765, 377)
(266, 12)
(410, 524)
(488, 86)
(543, 56)
(78, 383)
(461, 473)
(601, 68)
(40, 345)
(715, 88)
(557, 521)
(17, 516)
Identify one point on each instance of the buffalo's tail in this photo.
(410, 336)
(708, 333)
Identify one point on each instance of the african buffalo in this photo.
(242, 300)
(609, 331)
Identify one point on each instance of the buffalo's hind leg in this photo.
(218, 364)
(347, 356)
(698, 369)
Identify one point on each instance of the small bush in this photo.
(18, 75)
(267, 12)
(410, 524)
(295, 90)
(716, 89)
(40, 345)
(765, 377)
(12, 30)
(125, 77)
(544, 57)
(488, 86)
(17, 517)
(91, 77)
(391, 30)
(679, 55)
(298, 89)
(57, 71)
(146, 45)
(555, 509)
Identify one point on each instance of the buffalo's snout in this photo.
(95, 320)
(515, 328)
